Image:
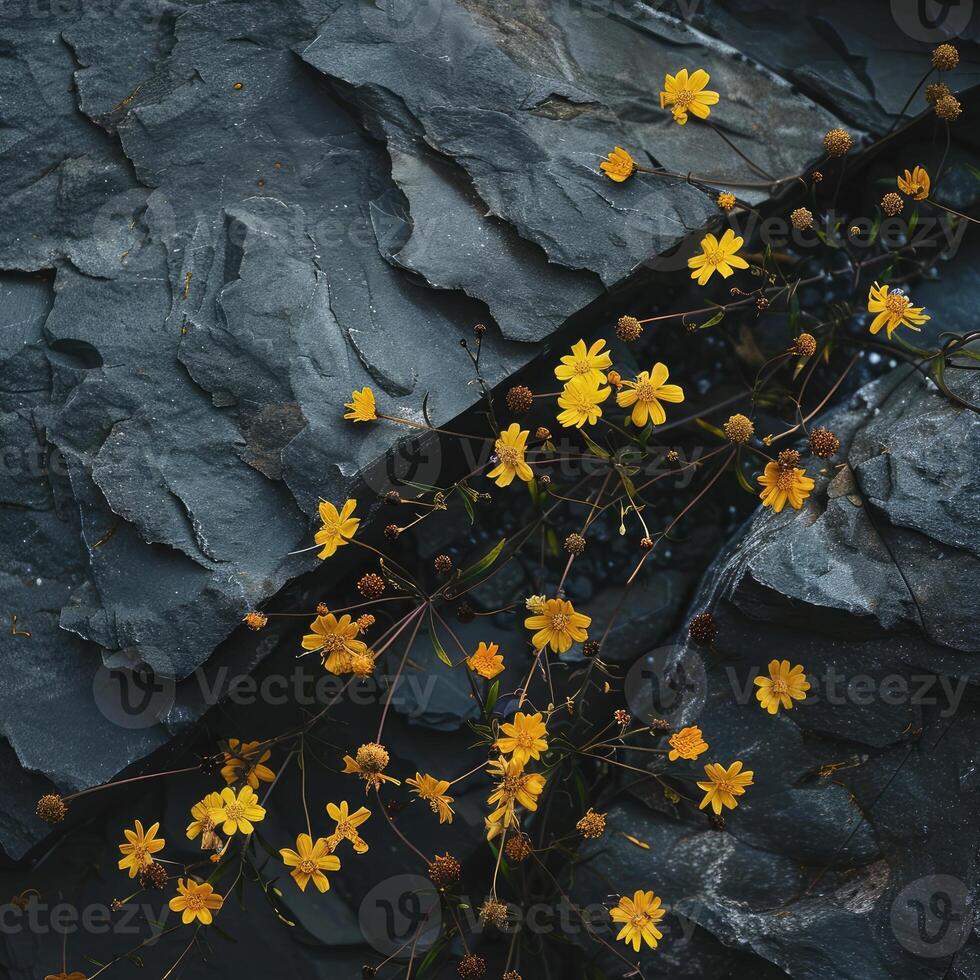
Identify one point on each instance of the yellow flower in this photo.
(585, 362)
(726, 200)
(434, 790)
(688, 743)
(646, 393)
(536, 603)
(140, 847)
(485, 661)
(509, 449)
(515, 787)
(639, 917)
(618, 165)
(915, 184)
(195, 902)
(688, 94)
(558, 625)
(309, 861)
(239, 811)
(347, 824)
(207, 813)
(338, 527)
(581, 399)
(894, 310)
(371, 761)
(524, 738)
(782, 686)
(782, 484)
(723, 785)
(336, 640)
(717, 256)
(241, 760)
(362, 406)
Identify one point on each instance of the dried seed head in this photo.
(575, 544)
(471, 966)
(371, 586)
(392, 531)
(512, 975)
(519, 399)
(542, 433)
(365, 622)
(854, 230)
(823, 443)
(255, 620)
(805, 345)
(726, 200)
(518, 848)
(51, 808)
(802, 218)
(703, 629)
(493, 913)
(591, 648)
(948, 108)
(762, 303)
(672, 456)
(628, 328)
(671, 795)
(372, 757)
(544, 480)
(646, 543)
(479, 330)
(936, 91)
(816, 176)
(592, 825)
(945, 57)
(716, 821)
(622, 717)
(788, 459)
(837, 142)
(465, 613)
(739, 429)
(443, 564)
(659, 725)
(154, 875)
(393, 497)
(369, 971)
(892, 204)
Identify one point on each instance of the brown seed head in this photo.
(512, 975)
(371, 586)
(471, 966)
(542, 433)
(726, 200)
(738, 429)
(628, 328)
(805, 345)
(716, 822)
(788, 459)
(51, 808)
(519, 399)
(892, 204)
(443, 564)
(479, 330)
(945, 57)
(703, 629)
(659, 725)
(622, 717)
(936, 91)
(591, 648)
(465, 612)
(444, 870)
(823, 443)
(493, 913)
(837, 142)
(392, 531)
(672, 456)
(154, 875)
(372, 757)
(802, 218)
(518, 848)
(816, 176)
(393, 498)
(948, 108)
(365, 622)
(592, 825)
(575, 544)
(646, 543)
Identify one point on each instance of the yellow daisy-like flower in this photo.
(246, 760)
(509, 449)
(639, 916)
(782, 686)
(338, 527)
(645, 394)
(894, 310)
(717, 256)
(336, 640)
(369, 764)
(618, 165)
(486, 661)
(347, 824)
(515, 787)
(726, 200)
(139, 848)
(196, 901)
(207, 814)
(523, 738)
(239, 811)
(309, 861)
(580, 400)
(688, 743)
(915, 184)
(558, 626)
(434, 790)
(784, 484)
(583, 362)
(723, 785)
(362, 406)
(686, 93)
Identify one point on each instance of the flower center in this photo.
(140, 854)
(559, 622)
(509, 455)
(524, 739)
(646, 392)
(714, 256)
(684, 98)
(897, 303)
(639, 920)
(779, 686)
(333, 642)
(512, 785)
(786, 479)
(195, 901)
(234, 811)
(726, 785)
(582, 367)
(307, 867)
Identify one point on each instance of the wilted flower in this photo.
(434, 792)
(362, 406)
(338, 527)
(515, 787)
(915, 184)
(688, 743)
(371, 761)
(246, 760)
(486, 661)
(618, 165)
(346, 826)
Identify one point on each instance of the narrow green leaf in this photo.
(484, 563)
(594, 447)
(436, 643)
(708, 427)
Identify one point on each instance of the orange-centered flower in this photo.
(139, 848)
(783, 685)
(195, 901)
(336, 641)
(639, 916)
(338, 527)
(591, 363)
(558, 626)
(688, 743)
(515, 788)
(523, 738)
(346, 826)
(580, 399)
(207, 814)
(618, 165)
(309, 861)
(686, 93)
(509, 450)
(239, 811)
(915, 184)
(717, 256)
(894, 309)
(784, 484)
(723, 785)
(245, 760)
(486, 661)
(362, 406)
(434, 791)
(645, 394)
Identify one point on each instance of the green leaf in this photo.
(492, 696)
(716, 319)
(743, 480)
(436, 643)
(551, 537)
(594, 447)
(913, 221)
(713, 429)
(484, 563)
(467, 504)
